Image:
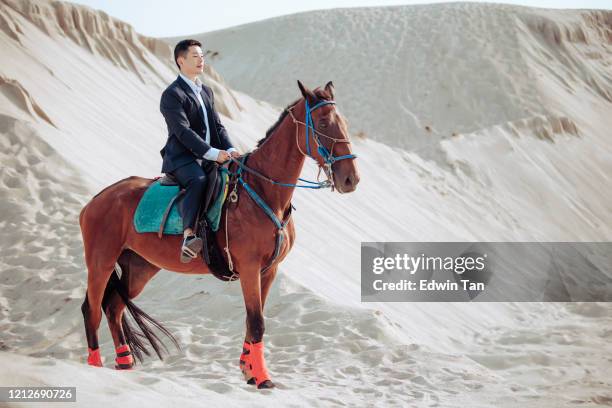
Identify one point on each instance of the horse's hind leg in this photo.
(102, 242)
(92, 307)
(91, 330)
(136, 273)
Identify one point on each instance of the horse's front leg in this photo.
(252, 361)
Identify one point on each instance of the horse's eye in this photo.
(323, 124)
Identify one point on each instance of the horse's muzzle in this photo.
(348, 183)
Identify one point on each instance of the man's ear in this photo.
(180, 60)
(307, 93)
(330, 89)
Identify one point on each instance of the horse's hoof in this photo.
(265, 385)
(248, 377)
(124, 367)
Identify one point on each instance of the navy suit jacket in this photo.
(186, 128)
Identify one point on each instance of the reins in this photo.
(327, 155)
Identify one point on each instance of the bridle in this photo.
(328, 156)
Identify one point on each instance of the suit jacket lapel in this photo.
(205, 98)
(191, 94)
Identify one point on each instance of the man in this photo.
(195, 134)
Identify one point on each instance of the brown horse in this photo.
(310, 126)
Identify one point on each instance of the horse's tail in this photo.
(136, 339)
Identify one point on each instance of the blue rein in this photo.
(317, 184)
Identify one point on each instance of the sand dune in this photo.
(414, 75)
(528, 101)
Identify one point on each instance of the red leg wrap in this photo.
(94, 358)
(258, 363)
(124, 360)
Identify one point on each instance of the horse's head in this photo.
(326, 138)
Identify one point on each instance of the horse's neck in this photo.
(280, 159)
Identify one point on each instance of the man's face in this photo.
(193, 61)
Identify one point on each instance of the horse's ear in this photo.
(306, 93)
(330, 89)
(303, 89)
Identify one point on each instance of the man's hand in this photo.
(235, 153)
(223, 156)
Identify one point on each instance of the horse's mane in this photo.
(321, 94)
(272, 128)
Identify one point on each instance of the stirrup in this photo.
(192, 245)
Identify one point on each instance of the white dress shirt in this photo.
(196, 87)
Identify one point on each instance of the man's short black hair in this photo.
(182, 47)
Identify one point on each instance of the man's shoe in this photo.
(192, 246)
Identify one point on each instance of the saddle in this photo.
(157, 212)
(213, 186)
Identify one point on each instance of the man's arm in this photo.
(178, 124)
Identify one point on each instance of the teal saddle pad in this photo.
(152, 207)
(155, 200)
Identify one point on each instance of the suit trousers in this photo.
(193, 179)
